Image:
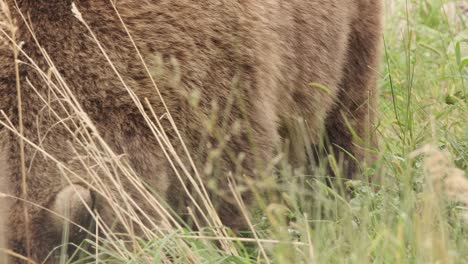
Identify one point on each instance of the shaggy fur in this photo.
(264, 53)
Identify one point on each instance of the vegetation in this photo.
(417, 212)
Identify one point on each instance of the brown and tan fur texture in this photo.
(264, 53)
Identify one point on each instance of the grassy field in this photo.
(418, 213)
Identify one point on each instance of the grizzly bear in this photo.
(240, 77)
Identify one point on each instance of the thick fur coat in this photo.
(281, 60)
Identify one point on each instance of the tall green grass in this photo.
(416, 213)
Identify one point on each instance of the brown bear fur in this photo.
(269, 51)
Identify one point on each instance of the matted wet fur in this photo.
(282, 61)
